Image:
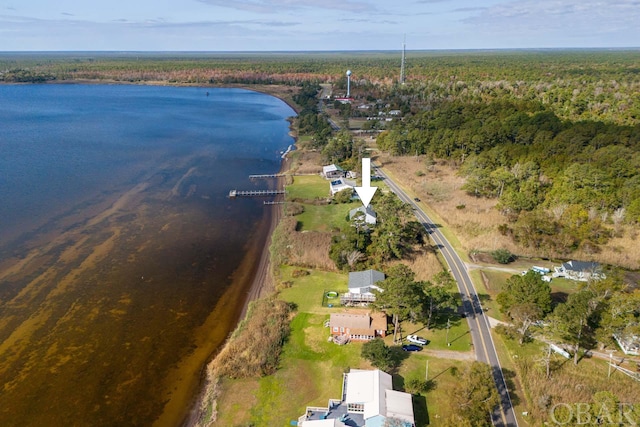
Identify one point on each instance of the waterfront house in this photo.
(361, 287)
(368, 400)
(358, 325)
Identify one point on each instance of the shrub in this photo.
(503, 256)
(378, 353)
(508, 332)
(299, 273)
(255, 346)
(293, 209)
(418, 386)
(343, 196)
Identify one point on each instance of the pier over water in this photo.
(254, 193)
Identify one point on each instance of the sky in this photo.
(310, 25)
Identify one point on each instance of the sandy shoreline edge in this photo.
(261, 282)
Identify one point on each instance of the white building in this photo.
(368, 400)
(341, 184)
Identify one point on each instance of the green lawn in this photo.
(437, 400)
(307, 291)
(308, 187)
(325, 217)
(458, 336)
(560, 284)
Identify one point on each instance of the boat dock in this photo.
(272, 175)
(254, 193)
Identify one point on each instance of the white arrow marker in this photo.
(366, 192)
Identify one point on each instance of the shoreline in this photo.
(261, 284)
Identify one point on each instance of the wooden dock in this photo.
(254, 193)
(272, 175)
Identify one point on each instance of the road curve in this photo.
(483, 344)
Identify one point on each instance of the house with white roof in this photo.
(630, 344)
(368, 400)
(341, 184)
(332, 171)
(370, 216)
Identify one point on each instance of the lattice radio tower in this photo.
(402, 64)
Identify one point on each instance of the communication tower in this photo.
(402, 63)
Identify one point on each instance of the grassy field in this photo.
(458, 335)
(307, 291)
(568, 383)
(308, 187)
(325, 217)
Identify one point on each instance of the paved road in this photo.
(478, 322)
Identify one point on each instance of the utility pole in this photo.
(610, 362)
(426, 375)
(448, 326)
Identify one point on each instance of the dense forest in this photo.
(574, 84)
(558, 182)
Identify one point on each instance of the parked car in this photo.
(417, 340)
(411, 347)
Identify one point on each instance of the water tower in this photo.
(348, 83)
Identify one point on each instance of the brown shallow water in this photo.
(108, 314)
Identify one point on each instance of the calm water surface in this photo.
(117, 240)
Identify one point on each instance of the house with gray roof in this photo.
(582, 271)
(361, 287)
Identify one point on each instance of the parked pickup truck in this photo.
(417, 340)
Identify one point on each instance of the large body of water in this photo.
(118, 243)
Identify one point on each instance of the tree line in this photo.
(558, 182)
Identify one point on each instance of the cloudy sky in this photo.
(267, 25)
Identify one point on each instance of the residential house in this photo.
(361, 287)
(630, 344)
(341, 184)
(332, 172)
(368, 214)
(358, 325)
(579, 270)
(368, 400)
